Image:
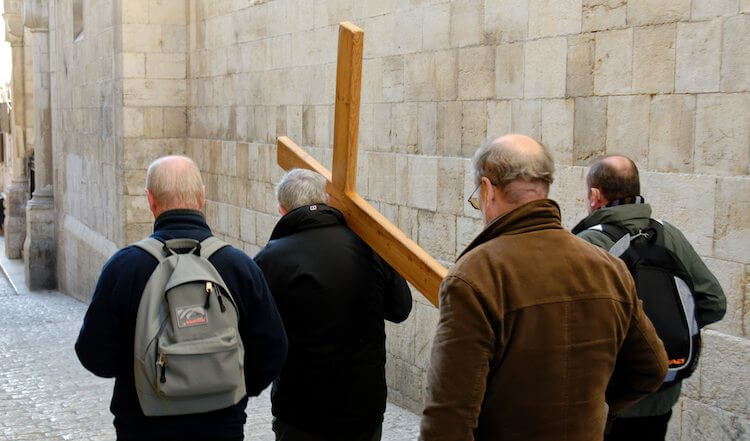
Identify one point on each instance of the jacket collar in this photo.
(619, 214)
(537, 215)
(306, 218)
(173, 223)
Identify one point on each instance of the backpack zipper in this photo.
(162, 363)
(209, 288)
(221, 300)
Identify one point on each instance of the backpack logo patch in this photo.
(189, 316)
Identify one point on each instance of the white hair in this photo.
(175, 182)
(300, 187)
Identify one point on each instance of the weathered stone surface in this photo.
(712, 8)
(557, 129)
(735, 65)
(473, 126)
(627, 127)
(437, 234)
(654, 59)
(545, 67)
(612, 72)
(466, 22)
(732, 233)
(382, 183)
(554, 17)
(706, 423)
(569, 190)
(526, 117)
(671, 133)
(422, 188)
(580, 68)
(590, 129)
(601, 15)
(467, 229)
(643, 12)
(436, 26)
(698, 57)
(446, 75)
(498, 118)
(509, 78)
(506, 20)
(428, 128)
(420, 77)
(426, 318)
(393, 79)
(723, 357)
(722, 134)
(476, 73)
(450, 185)
(449, 128)
(731, 276)
(673, 199)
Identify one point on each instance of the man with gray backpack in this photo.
(680, 294)
(184, 322)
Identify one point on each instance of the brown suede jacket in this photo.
(537, 330)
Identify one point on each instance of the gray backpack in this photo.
(188, 352)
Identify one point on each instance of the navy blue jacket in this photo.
(105, 343)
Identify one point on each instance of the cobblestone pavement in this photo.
(45, 394)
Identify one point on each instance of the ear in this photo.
(487, 190)
(283, 211)
(595, 199)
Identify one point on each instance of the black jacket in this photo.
(333, 293)
(105, 343)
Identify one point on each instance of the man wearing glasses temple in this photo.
(537, 328)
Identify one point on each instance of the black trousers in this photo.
(285, 432)
(653, 428)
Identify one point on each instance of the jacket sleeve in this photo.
(461, 355)
(641, 363)
(264, 336)
(397, 301)
(100, 346)
(710, 301)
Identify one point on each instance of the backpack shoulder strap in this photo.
(614, 232)
(658, 227)
(211, 245)
(154, 247)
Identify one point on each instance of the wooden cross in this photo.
(405, 256)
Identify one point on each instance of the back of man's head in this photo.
(300, 187)
(616, 177)
(517, 164)
(175, 182)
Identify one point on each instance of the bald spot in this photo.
(175, 182)
(621, 165)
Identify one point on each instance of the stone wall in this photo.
(87, 175)
(665, 82)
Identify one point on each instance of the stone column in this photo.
(16, 194)
(39, 247)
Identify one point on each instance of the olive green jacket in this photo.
(710, 301)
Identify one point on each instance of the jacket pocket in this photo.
(201, 367)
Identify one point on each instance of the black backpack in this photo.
(666, 289)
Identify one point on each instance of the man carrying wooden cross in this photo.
(332, 292)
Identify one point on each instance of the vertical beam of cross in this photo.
(346, 119)
(403, 254)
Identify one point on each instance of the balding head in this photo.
(616, 176)
(518, 166)
(515, 159)
(174, 182)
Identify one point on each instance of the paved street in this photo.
(46, 395)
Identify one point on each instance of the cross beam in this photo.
(403, 254)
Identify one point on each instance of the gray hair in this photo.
(300, 187)
(500, 162)
(175, 182)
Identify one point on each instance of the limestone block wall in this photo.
(86, 154)
(153, 59)
(665, 82)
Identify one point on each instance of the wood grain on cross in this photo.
(405, 256)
